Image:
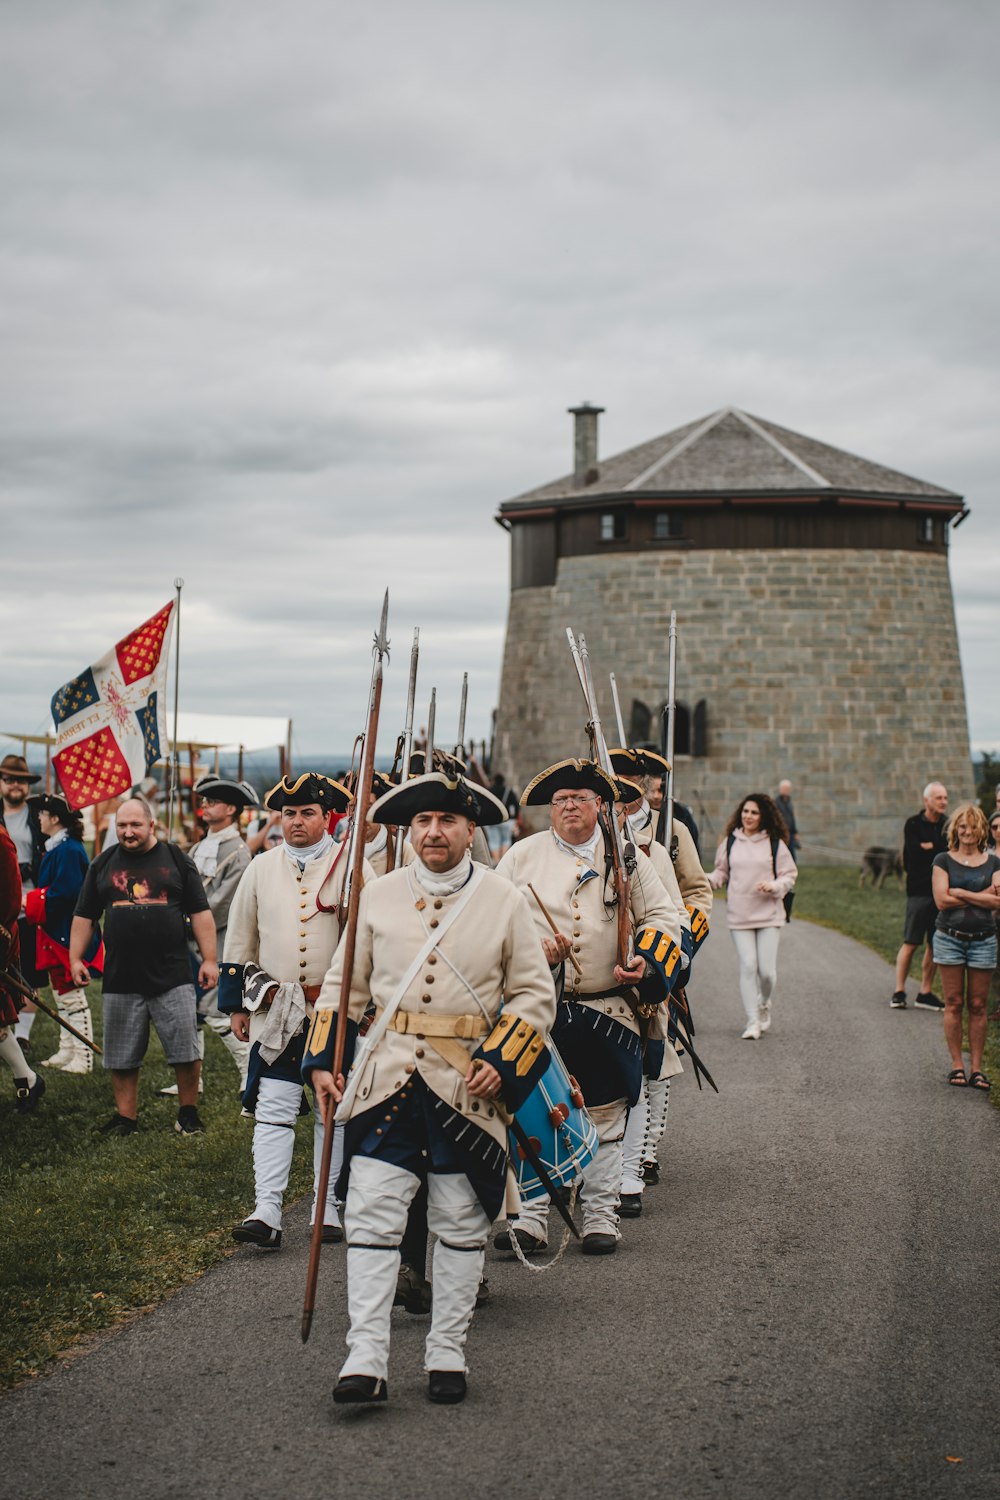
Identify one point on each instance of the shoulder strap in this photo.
(730, 841)
(775, 841)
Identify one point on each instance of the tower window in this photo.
(665, 526)
(613, 528)
(927, 528)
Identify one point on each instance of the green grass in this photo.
(95, 1229)
(832, 897)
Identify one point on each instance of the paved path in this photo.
(807, 1308)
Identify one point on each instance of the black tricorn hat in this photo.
(54, 805)
(569, 776)
(638, 763)
(628, 791)
(443, 760)
(308, 789)
(235, 793)
(382, 782)
(436, 792)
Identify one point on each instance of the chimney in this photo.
(585, 442)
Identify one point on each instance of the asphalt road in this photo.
(808, 1307)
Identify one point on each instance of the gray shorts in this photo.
(126, 1027)
(921, 916)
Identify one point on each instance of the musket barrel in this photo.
(618, 713)
(404, 770)
(460, 746)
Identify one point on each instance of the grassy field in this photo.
(94, 1229)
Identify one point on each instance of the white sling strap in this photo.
(381, 1026)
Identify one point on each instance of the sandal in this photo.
(958, 1079)
(979, 1081)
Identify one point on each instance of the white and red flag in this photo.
(111, 720)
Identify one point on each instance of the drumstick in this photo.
(544, 911)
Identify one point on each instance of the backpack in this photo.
(775, 841)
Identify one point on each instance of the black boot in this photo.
(446, 1387)
(360, 1390)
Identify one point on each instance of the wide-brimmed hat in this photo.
(55, 806)
(436, 792)
(220, 789)
(569, 776)
(308, 789)
(15, 768)
(638, 762)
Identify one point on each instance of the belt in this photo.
(621, 992)
(411, 1022)
(967, 937)
(311, 992)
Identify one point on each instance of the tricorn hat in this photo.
(569, 776)
(235, 793)
(54, 805)
(307, 789)
(638, 762)
(15, 768)
(382, 782)
(436, 792)
(628, 791)
(443, 760)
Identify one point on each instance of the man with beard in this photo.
(22, 823)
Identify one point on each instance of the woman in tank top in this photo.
(966, 883)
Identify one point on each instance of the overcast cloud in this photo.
(294, 297)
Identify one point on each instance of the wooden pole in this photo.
(175, 762)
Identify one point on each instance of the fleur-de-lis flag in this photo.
(110, 720)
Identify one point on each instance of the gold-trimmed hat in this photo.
(569, 776)
(436, 792)
(308, 789)
(633, 763)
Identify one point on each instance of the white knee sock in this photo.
(634, 1143)
(378, 1198)
(457, 1218)
(11, 1054)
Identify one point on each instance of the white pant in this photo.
(601, 1178)
(757, 951)
(378, 1198)
(276, 1112)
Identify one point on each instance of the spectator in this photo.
(264, 833)
(49, 910)
(923, 840)
(21, 822)
(966, 884)
(144, 889)
(995, 832)
(28, 1086)
(754, 861)
(783, 802)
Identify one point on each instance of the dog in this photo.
(879, 863)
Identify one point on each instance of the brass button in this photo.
(433, 958)
(426, 999)
(475, 1104)
(428, 979)
(433, 922)
(576, 947)
(378, 1130)
(232, 971)
(490, 1111)
(302, 963)
(420, 1036)
(408, 1068)
(395, 1110)
(419, 1052)
(438, 905)
(576, 932)
(302, 946)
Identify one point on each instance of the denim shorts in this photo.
(979, 953)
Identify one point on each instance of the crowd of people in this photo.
(489, 973)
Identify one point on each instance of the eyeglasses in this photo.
(570, 801)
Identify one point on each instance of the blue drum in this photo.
(555, 1119)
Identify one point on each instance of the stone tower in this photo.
(816, 628)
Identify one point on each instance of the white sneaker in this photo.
(764, 1018)
(752, 1033)
(170, 1090)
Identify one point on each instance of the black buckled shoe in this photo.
(528, 1243)
(360, 1390)
(650, 1173)
(332, 1235)
(256, 1232)
(413, 1290)
(446, 1387)
(25, 1098)
(599, 1244)
(630, 1205)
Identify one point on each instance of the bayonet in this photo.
(618, 713)
(460, 746)
(404, 771)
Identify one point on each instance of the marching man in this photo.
(442, 944)
(600, 1024)
(280, 938)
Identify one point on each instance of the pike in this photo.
(460, 745)
(666, 830)
(404, 772)
(349, 939)
(12, 974)
(622, 852)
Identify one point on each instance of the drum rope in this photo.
(563, 1246)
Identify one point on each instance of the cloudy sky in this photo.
(294, 296)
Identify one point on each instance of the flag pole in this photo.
(175, 765)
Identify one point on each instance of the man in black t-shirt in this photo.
(923, 839)
(142, 891)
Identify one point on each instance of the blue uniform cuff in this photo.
(230, 987)
(520, 1056)
(663, 958)
(321, 1041)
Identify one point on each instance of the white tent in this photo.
(231, 732)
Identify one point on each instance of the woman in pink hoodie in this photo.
(754, 861)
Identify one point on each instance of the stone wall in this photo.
(836, 668)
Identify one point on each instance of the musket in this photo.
(411, 693)
(618, 713)
(622, 852)
(12, 974)
(460, 745)
(666, 830)
(349, 939)
(431, 717)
